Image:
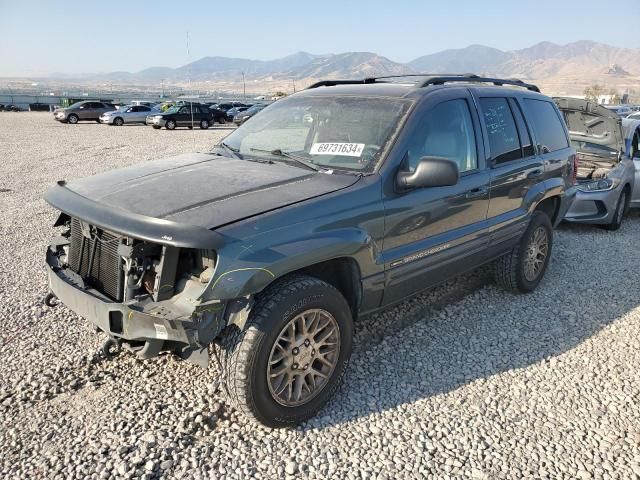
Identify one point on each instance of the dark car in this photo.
(229, 105)
(219, 116)
(331, 204)
(182, 115)
(85, 110)
(245, 115)
(232, 112)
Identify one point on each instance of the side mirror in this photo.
(430, 172)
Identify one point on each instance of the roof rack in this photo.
(442, 79)
(431, 79)
(333, 83)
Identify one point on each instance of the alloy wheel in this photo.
(303, 357)
(536, 254)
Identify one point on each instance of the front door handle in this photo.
(476, 192)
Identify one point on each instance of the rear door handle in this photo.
(535, 173)
(476, 192)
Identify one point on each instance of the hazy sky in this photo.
(40, 37)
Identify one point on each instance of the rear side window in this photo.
(504, 142)
(546, 124)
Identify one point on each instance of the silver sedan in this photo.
(127, 114)
(606, 175)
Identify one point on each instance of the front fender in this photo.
(257, 266)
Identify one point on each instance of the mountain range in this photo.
(569, 66)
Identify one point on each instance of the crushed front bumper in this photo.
(152, 327)
(594, 207)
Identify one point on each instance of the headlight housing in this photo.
(599, 185)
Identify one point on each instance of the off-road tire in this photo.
(204, 124)
(72, 119)
(118, 121)
(509, 269)
(618, 215)
(170, 125)
(245, 352)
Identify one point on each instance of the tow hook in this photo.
(50, 300)
(111, 348)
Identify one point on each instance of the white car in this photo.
(127, 114)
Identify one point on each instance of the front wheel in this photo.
(118, 122)
(72, 119)
(618, 215)
(170, 125)
(222, 120)
(522, 269)
(289, 359)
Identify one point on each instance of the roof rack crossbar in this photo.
(442, 79)
(432, 79)
(333, 83)
(367, 80)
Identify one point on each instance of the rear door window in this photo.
(504, 142)
(547, 125)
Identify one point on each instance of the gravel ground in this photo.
(464, 382)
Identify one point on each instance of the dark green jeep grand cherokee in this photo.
(326, 206)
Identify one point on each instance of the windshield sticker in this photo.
(346, 149)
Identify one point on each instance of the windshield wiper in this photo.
(233, 151)
(279, 153)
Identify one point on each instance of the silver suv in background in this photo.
(606, 173)
(85, 110)
(127, 114)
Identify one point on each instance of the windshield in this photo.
(340, 132)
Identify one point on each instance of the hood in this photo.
(592, 124)
(206, 190)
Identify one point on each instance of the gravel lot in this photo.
(464, 382)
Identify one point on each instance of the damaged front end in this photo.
(145, 293)
(596, 134)
(605, 175)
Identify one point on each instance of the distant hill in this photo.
(474, 58)
(564, 67)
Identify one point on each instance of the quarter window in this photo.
(504, 142)
(547, 125)
(446, 131)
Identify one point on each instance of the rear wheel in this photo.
(118, 121)
(73, 119)
(618, 215)
(204, 124)
(288, 361)
(522, 269)
(222, 120)
(170, 125)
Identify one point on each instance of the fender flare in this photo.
(243, 277)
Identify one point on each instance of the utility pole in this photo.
(244, 87)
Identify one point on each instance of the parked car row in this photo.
(10, 108)
(169, 115)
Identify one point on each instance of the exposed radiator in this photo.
(106, 275)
